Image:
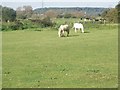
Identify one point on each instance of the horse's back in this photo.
(64, 27)
(78, 25)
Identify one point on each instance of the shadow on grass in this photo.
(69, 36)
(38, 30)
(86, 32)
(76, 35)
(73, 35)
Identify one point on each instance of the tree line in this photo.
(26, 12)
(18, 16)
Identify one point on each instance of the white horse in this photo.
(78, 26)
(62, 30)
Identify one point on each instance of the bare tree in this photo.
(51, 13)
(24, 12)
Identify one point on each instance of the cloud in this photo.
(59, 3)
(60, 0)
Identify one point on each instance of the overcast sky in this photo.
(60, 3)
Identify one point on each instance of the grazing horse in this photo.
(62, 30)
(78, 26)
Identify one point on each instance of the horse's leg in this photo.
(59, 33)
(75, 30)
(82, 30)
(67, 33)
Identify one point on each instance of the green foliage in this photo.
(8, 14)
(59, 16)
(0, 11)
(104, 13)
(118, 9)
(67, 15)
(21, 16)
(4, 27)
(46, 22)
(118, 6)
(113, 14)
(17, 25)
(27, 24)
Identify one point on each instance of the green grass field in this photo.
(40, 59)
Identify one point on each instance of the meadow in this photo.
(40, 59)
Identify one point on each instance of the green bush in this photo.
(59, 16)
(8, 14)
(25, 26)
(17, 25)
(67, 15)
(46, 22)
(4, 27)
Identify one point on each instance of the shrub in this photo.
(16, 25)
(67, 15)
(4, 27)
(12, 26)
(8, 14)
(59, 16)
(46, 22)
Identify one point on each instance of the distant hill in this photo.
(87, 10)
